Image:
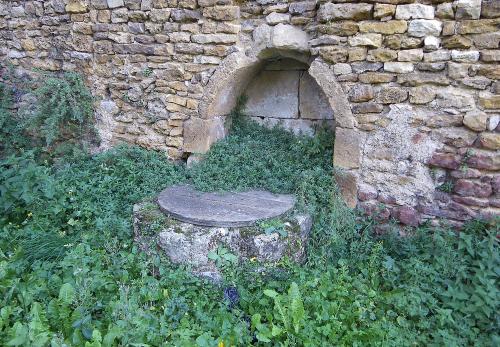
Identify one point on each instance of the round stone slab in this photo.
(186, 204)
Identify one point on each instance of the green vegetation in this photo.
(70, 273)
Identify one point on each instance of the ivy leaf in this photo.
(67, 293)
(20, 335)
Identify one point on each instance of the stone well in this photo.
(190, 226)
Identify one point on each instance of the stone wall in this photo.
(413, 86)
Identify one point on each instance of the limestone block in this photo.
(284, 36)
(224, 13)
(348, 184)
(313, 103)
(200, 134)
(75, 6)
(424, 27)
(490, 140)
(361, 92)
(301, 7)
(431, 43)
(445, 11)
(334, 54)
(331, 11)
(159, 15)
(415, 11)
(390, 27)
(416, 54)
(371, 40)
(465, 56)
(478, 26)
(490, 56)
(367, 107)
(467, 9)
(489, 101)
(276, 18)
(115, 3)
(398, 67)
(383, 11)
(342, 69)
(392, 95)
(490, 9)
(422, 95)
(493, 122)
(346, 28)
(214, 38)
(273, 94)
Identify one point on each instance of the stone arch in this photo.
(234, 73)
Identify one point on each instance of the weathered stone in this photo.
(381, 55)
(478, 82)
(376, 77)
(360, 67)
(313, 103)
(416, 79)
(490, 9)
(414, 11)
(273, 94)
(484, 161)
(360, 93)
(357, 53)
(422, 95)
(342, 69)
(276, 18)
(431, 43)
(476, 120)
(214, 38)
(457, 41)
(348, 143)
(367, 107)
(407, 215)
(223, 13)
(327, 40)
(392, 95)
(440, 55)
(467, 9)
(465, 56)
(329, 11)
(371, 40)
(383, 11)
(334, 54)
(286, 36)
(159, 15)
(390, 27)
(445, 160)
(301, 7)
(480, 189)
(416, 54)
(489, 101)
(490, 140)
(490, 56)
(478, 26)
(493, 122)
(398, 67)
(184, 15)
(445, 11)
(424, 27)
(115, 3)
(200, 134)
(75, 6)
(347, 28)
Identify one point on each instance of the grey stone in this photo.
(273, 94)
(467, 9)
(414, 11)
(286, 36)
(331, 11)
(276, 18)
(313, 103)
(115, 3)
(424, 27)
(189, 244)
(200, 134)
(222, 209)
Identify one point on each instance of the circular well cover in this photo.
(226, 209)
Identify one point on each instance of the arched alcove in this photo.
(236, 74)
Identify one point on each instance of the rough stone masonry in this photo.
(413, 86)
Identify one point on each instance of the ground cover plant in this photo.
(71, 275)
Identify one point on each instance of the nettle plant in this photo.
(64, 109)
